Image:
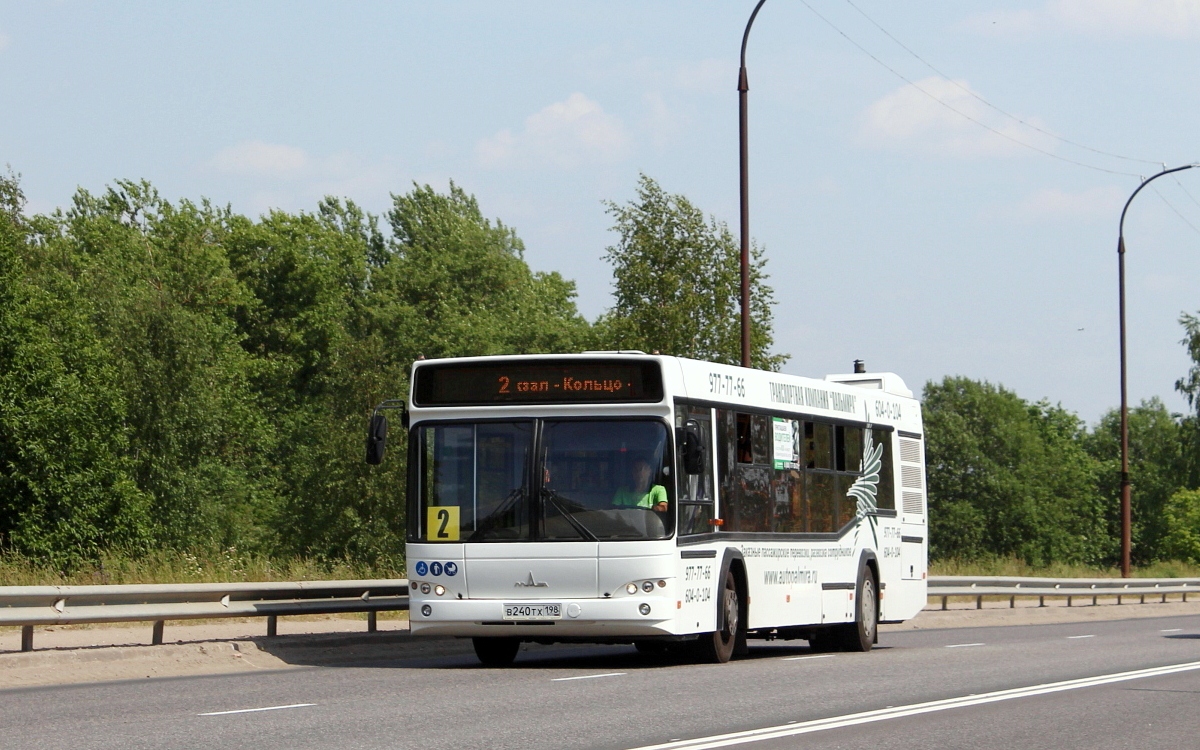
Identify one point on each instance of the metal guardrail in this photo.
(28, 606)
(1071, 588)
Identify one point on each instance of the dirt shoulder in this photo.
(99, 653)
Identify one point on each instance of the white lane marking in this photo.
(799, 658)
(1074, 637)
(867, 717)
(963, 645)
(588, 676)
(255, 710)
(1171, 630)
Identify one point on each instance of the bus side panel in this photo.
(696, 595)
(784, 591)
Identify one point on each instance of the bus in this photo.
(668, 503)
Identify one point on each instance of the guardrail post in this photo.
(156, 639)
(1093, 601)
(979, 602)
(1041, 601)
(26, 637)
(1164, 599)
(372, 624)
(1185, 597)
(1143, 599)
(1012, 602)
(272, 625)
(944, 598)
(1069, 598)
(1118, 599)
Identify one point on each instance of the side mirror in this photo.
(376, 439)
(691, 447)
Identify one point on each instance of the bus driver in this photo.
(643, 495)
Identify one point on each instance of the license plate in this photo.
(532, 611)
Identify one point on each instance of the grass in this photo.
(232, 565)
(222, 566)
(1015, 567)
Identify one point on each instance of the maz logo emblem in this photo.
(530, 583)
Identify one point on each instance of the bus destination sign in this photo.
(544, 382)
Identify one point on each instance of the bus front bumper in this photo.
(633, 616)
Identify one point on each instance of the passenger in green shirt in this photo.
(642, 495)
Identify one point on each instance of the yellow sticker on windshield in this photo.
(441, 523)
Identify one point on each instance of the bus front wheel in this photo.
(718, 647)
(496, 652)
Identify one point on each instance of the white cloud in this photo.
(911, 117)
(661, 121)
(282, 176)
(1176, 19)
(259, 159)
(565, 134)
(1052, 203)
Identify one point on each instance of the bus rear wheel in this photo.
(860, 634)
(718, 647)
(496, 652)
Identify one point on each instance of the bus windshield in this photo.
(553, 480)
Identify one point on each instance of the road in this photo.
(931, 688)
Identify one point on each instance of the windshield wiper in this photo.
(493, 519)
(557, 501)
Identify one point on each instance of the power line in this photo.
(985, 102)
(958, 112)
(1181, 216)
(1185, 190)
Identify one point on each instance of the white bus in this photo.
(619, 497)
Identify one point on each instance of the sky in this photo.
(936, 185)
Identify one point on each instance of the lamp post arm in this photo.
(746, 33)
(1147, 181)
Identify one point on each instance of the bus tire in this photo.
(718, 647)
(860, 634)
(496, 652)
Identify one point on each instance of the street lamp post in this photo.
(1126, 513)
(743, 90)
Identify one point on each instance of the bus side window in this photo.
(818, 445)
(760, 438)
(745, 446)
(885, 493)
(696, 490)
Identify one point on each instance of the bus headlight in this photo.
(439, 589)
(424, 588)
(648, 586)
(644, 608)
(426, 610)
(631, 588)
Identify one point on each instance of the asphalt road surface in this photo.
(1117, 684)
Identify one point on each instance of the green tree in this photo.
(159, 293)
(66, 486)
(1189, 386)
(1157, 469)
(1009, 478)
(1182, 520)
(319, 370)
(456, 284)
(677, 284)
